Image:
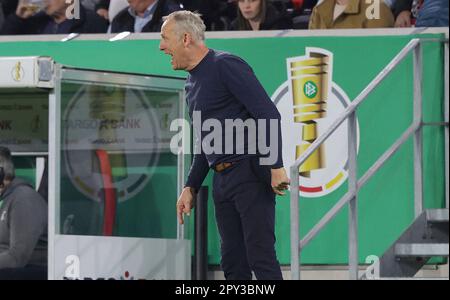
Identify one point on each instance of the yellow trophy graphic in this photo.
(310, 82)
(17, 72)
(108, 105)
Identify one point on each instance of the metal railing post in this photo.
(201, 235)
(446, 121)
(295, 234)
(418, 149)
(353, 205)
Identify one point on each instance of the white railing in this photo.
(355, 184)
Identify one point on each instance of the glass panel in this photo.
(118, 175)
(24, 120)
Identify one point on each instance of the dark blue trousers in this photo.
(245, 212)
(29, 272)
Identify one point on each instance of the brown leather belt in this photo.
(222, 166)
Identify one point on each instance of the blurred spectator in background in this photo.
(108, 9)
(402, 12)
(23, 225)
(338, 14)
(8, 6)
(389, 3)
(432, 13)
(52, 17)
(212, 12)
(302, 10)
(102, 7)
(421, 13)
(259, 15)
(143, 15)
(1, 16)
(88, 4)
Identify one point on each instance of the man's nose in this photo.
(161, 46)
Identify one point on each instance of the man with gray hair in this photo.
(221, 86)
(23, 226)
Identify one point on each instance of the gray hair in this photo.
(6, 163)
(188, 22)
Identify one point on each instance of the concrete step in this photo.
(437, 215)
(426, 237)
(421, 250)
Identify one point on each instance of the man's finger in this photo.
(277, 191)
(180, 215)
(187, 210)
(280, 192)
(180, 218)
(282, 187)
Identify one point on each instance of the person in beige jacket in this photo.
(340, 14)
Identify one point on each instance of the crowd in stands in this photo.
(114, 16)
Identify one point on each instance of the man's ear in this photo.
(187, 39)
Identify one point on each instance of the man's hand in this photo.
(25, 10)
(280, 181)
(403, 19)
(185, 203)
(102, 12)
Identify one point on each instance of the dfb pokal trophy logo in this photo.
(309, 101)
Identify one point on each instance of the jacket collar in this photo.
(149, 11)
(327, 7)
(76, 23)
(352, 7)
(12, 186)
